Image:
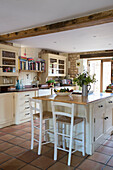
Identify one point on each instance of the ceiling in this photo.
(17, 15)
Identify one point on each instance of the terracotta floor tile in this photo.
(26, 136)
(1, 141)
(50, 154)
(17, 140)
(110, 162)
(18, 133)
(44, 149)
(28, 156)
(106, 150)
(26, 144)
(6, 137)
(108, 143)
(8, 129)
(13, 164)
(29, 167)
(14, 151)
(60, 166)
(27, 129)
(77, 153)
(4, 157)
(4, 146)
(90, 165)
(42, 162)
(75, 160)
(99, 157)
(20, 127)
(107, 168)
(2, 133)
(28, 123)
(50, 145)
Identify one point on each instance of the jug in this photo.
(85, 89)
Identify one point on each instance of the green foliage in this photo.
(50, 81)
(84, 79)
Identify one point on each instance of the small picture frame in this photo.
(78, 64)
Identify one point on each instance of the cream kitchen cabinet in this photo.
(108, 115)
(99, 115)
(55, 66)
(8, 60)
(103, 126)
(6, 109)
(22, 109)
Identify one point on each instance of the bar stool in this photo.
(71, 120)
(36, 111)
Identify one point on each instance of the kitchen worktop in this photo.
(74, 98)
(20, 90)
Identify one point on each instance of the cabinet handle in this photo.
(110, 102)
(27, 107)
(26, 101)
(105, 118)
(100, 106)
(27, 95)
(27, 114)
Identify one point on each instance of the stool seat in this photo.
(46, 115)
(67, 120)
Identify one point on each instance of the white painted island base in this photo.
(99, 124)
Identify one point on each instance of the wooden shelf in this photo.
(8, 58)
(8, 65)
(34, 71)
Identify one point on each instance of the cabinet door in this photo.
(6, 109)
(56, 65)
(99, 114)
(108, 114)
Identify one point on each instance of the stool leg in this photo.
(83, 137)
(70, 144)
(40, 136)
(55, 138)
(63, 130)
(32, 131)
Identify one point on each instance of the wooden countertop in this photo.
(77, 99)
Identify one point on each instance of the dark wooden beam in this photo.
(90, 20)
(108, 54)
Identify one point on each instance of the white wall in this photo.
(27, 77)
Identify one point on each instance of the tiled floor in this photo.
(15, 153)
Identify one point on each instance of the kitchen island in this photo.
(96, 108)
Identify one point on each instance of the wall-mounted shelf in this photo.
(34, 71)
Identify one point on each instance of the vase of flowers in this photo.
(84, 80)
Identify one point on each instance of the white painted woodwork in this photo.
(22, 108)
(6, 109)
(96, 133)
(47, 73)
(9, 49)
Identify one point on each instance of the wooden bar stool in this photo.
(36, 111)
(67, 118)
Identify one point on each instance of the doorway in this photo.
(102, 69)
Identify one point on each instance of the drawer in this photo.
(25, 115)
(26, 95)
(44, 92)
(100, 106)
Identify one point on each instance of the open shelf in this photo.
(34, 71)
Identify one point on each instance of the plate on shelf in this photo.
(63, 93)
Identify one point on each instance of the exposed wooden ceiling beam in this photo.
(90, 20)
(96, 55)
